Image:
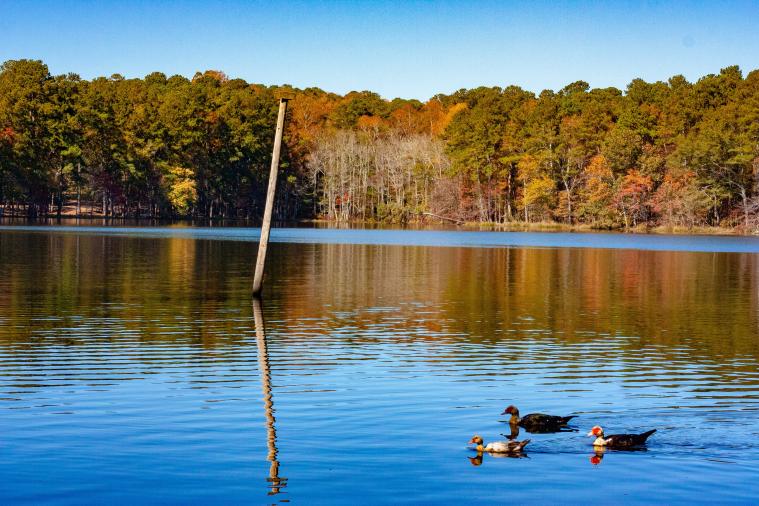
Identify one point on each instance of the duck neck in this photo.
(514, 417)
(480, 447)
(600, 441)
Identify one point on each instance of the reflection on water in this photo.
(480, 456)
(131, 370)
(598, 455)
(271, 431)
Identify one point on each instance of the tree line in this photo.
(670, 153)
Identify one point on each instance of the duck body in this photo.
(619, 441)
(506, 446)
(537, 422)
(499, 446)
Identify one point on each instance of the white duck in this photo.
(498, 446)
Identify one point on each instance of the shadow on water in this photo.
(277, 483)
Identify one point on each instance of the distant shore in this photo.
(94, 214)
(553, 226)
(640, 229)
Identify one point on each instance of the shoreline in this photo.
(411, 225)
(552, 226)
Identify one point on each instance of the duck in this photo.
(618, 440)
(498, 446)
(537, 422)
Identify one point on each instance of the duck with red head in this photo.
(537, 422)
(618, 441)
(498, 446)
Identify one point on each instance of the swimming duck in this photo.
(618, 440)
(498, 446)
(537, 422)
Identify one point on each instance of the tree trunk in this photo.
(509, 215)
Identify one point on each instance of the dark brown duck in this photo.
(537, 422)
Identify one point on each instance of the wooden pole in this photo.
(258, 278)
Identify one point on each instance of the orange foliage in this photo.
(7, 135)
(407, 119)
(679, 200)
(632, 196)
(216, 75)
(439, 124)
(634, 184)
(368, 123)
(308, 114)
(597, 192)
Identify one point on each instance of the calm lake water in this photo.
(134, 368)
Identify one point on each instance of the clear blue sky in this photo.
(409, 49)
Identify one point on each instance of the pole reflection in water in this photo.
(276, 482)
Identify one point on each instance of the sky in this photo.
(412, 49)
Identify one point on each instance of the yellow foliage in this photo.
(538, 188)
(182, 192)
(442, 123)
(599, 180)
(597, 192)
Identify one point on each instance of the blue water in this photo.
(134, 368)
(653, 242)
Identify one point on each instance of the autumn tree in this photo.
(632, 197)
(597, 192)
(672, 153)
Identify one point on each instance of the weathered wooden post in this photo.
(258, 277)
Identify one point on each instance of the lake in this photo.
(135, 369)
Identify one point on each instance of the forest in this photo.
(669, 154)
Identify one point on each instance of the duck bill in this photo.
(591, 433)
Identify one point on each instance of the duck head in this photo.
(511, 410)
(598, 433)
(514, 412)
(477, 441)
